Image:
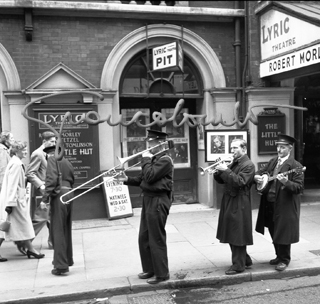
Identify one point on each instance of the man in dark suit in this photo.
(156, 182)
(36, 174)
(59, 176)
(280, 202)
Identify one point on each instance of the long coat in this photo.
(36, 175)
(286, 214)
(13, 193)
(235, 217)
(4, 160)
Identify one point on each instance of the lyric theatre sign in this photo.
(287, 43)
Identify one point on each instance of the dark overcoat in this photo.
(286, 214)
(235, 217)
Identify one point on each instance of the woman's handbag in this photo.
(5, 225)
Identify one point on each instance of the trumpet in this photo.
(211, 169)
(115, 171)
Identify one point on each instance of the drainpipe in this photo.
(246, 77)
(237, 46)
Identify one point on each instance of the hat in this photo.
(153, 135)
(49, 149)
(285, 140)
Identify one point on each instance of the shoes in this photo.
(145, 275)
(3, 259)
(231, 271)
(281, 266)
(57, 271)
(274, 261)
(37, 256)
(157, 280)
(248, 265)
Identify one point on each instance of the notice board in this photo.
(271, 122)
(117, 198)
(81, 141)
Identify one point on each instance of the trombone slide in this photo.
(115, 171)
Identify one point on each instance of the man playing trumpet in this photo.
(156, 182)
(235, 217)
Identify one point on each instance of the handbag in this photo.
(5, 225)
(57, 189)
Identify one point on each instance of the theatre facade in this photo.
(100, 72)
(290, 58)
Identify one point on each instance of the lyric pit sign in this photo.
(168, 57)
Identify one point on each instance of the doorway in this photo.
(307, 128)
(184, 153)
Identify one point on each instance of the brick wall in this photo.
(83, 44)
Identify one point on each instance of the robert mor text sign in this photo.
(271, 122)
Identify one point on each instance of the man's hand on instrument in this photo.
(258, 179)
(147, 154)
(222, 166)
(121, 177)
(282, 178)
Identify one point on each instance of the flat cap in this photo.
(285, 140)
(156, 135)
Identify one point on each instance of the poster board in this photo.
(217, 143)
(81, 141)
(117, 199)
(271, 122)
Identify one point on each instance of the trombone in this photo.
(117, 170)
(211, 169)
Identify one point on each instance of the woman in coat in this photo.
(13, 194)
(6, 139)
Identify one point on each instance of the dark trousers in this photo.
(152, 235)
(61, 225)
(283, 252)
(240, 258)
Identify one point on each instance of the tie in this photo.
(279, 163)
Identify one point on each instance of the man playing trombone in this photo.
(235, 217)
(156, 182)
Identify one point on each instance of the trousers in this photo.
(152, 235)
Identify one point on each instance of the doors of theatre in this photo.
(307, 128)
(185, 148)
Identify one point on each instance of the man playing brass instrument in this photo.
(235, 217)
(156, 182)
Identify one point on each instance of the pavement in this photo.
(107, 259)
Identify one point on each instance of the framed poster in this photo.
(117, 198)
(217, 143)
(81, 141)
